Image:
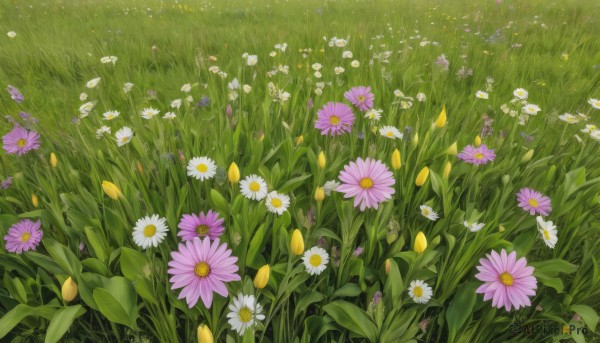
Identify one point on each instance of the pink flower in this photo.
(23, 236)
(508, 282)
(480, 155)
(20, 141)
(368, 181)
(334, 119)
(534, 202)
(361, 97)
(201, 225)
(201, 268)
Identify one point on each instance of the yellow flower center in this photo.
(202, 230)
(276, 202)
(389, 134)
(334, 120)
(124, 139)
(478, 156)
(366, 183)
(533, 203)
(546, 234)
(21, 143)
(245, 315)
(254, 186)
(425, 211)
(149, 230)
(597, 103)
(506, 279)
(315, 260)
(25, 237)
(202, 269)
(361, 98)
(202, 168)
(418, 291)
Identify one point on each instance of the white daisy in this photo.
(347, 54)
(102, 131)
(277, 203)
(548, 231)
(110, 115)
(428, 213)
(176, 103)
(11, 34)
(482, 95)
(83, 96)
(355, 64)
(149, 113)
(595, 103)
(86, 108)
(338, 70)
(186, 88)
(315, 260)
(318, 74)
(202, 168)
(373, 114)
(251, 60)
(340, 43)
(398, 93)
(254, 187)
(127, 86)
(123, 136)
(520, 93)
(569, 118)
(330, 186)
(421, 97)
(169, 116)
(474, 227)
(150, 231)
(92, 83)
(390, 132)
(105, 59)
(590, 128)
(316, 66)
(245, 312)
(595, 135)
(531, 109)
(419, 291)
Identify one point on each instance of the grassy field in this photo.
(444, 74)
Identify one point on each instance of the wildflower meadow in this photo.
(299, 171)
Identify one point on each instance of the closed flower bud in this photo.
(320, 194)
(396, 161)
(501, 228)
(233, 174)
(441, 119)
(35, 201)
(527, 157)
(447, 169)
(505, 179)
(111, 190)
(69, 290)
(321, 160)
(420, 243)
(477, 141)
(204, 334)
(422, 177)
(262, 277)
(261, 136)
(388, 266)
(299, 140)
(453, 149)
(53, 160)
(140, 167)
(415, 139)
(297, 243)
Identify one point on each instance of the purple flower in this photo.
(229, 111)
(23, 236)
(7, 183)
(357, 252)
(201, 225)
(534, 202)
(334, 119)
(15, 94)
(508, 282)
(201, 268)
(309, 104)
(443, 62)
(368, 181)
(20, 141)
(480, 155)
(204, 102)
(361, 97)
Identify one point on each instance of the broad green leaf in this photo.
(111, 308)
(589, 316)
(352, 318)
(13, 317)
(347, 290)
(61, 321)
(460, 308)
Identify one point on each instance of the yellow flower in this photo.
(453, 149)
(297, 243)
(111, 190)
(415, 139)
(299, 140)
(420, 243)
(528, 155)
(477, 141)
(204, 334)
(396, 161)
(320, 194)
(262, 277)
(140, 167)
(321, 160)
(233, 174)
(69, 290)
(53, 160)
(388, 266)
(441, 119)
(34, 200)
(422, 177)
(447, 169)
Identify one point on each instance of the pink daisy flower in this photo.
(201, 268)
(534, 202)
(20, 141)
(201, 225)
(508, 282)
(334, 119)
(477, 155)
(368, 181)
(23, 236)
(361, 97)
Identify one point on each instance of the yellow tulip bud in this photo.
(297, 243)
(53, 160)
(374, 129)
(204, 334)
(447, 169)
(140, 167)
(34, 200)
(69, 290)
(111, 190)
(388, 266)
(453, 149)
(420, 243)
(299, 140)
(501, 228)
(262, 277)
(261, 136)
(441, 119)
(415, 139)
(321, 160)
(320, 194)
(477, 140)
(528, 155)
(396, 161)
(233, 174)
(422, 177)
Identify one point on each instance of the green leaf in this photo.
(573, 180)
(63, 256)
(589, 316)
(46, 262)
(97, 244)
(13, 317)
(111, 308)
(219, 202)
(460, 308)
(292, 184)
(552, 267)
(352, 318)
(308, 298)
(61, 321)
(347, 290)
